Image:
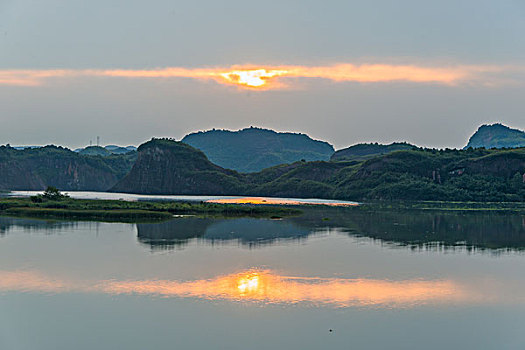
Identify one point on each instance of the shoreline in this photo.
(120, 210)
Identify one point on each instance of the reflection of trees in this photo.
(416, 228)
(8, 223)
(471, 230)
(172, 234)
(248, 231)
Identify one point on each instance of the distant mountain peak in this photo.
(253, 149)
(106, 150)
(496, 135)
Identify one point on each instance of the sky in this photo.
(429, 73)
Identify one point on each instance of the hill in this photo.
(496, 136)
(120, 149)
(447, 175)
(363, 151)
(37, 168)
(254, 149)
(170, 167)
(106, 150)
(94, 151)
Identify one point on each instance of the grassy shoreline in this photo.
(445, 206)
(119, 210)
(153, 211)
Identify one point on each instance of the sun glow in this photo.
(261, 77)
(248, 284)
(253, 78)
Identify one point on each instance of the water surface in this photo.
(377, 280)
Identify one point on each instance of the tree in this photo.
(52, 193)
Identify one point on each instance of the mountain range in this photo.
(171, 167)
(359, 172)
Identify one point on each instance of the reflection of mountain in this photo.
(426, 229)
(479, 230)
(248, 231)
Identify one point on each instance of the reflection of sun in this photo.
(248, 284)
(261, 286)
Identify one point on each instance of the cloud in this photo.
(274, 77)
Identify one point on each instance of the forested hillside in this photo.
(37, 168)
(254, 149)
(170, 167)
(363, 151)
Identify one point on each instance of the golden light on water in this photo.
(248, 283)
(261, 286)
(277, 201)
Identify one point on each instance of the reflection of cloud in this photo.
(30, 281)
(267, 77)
(259, 286)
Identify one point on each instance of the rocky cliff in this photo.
(170, 167)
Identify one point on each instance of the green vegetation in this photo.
(446, 175)
(254, 149)
(169, 167)
(51, 193)
(480, 175)
(62, 207)
(94, 151)
(365, 172)
(36, 168)
(517, 207)
(496, 136)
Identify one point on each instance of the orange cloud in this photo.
(269, 77)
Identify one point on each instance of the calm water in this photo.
(377, 280)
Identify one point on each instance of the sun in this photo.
(252, 78)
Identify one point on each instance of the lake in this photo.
(333, 278)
